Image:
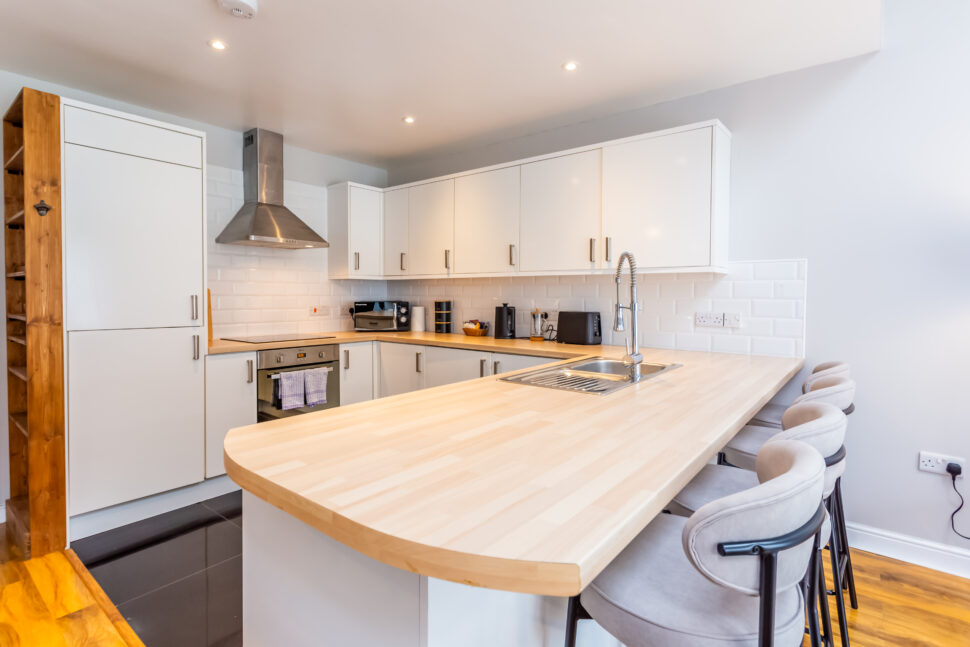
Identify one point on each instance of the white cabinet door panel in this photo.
(449, 365)
(136, 415)
(230, 401)
(134, 245)
(506, 362)
(108, 132)
(356, 372)
(561, 206)
(431, 228)
(396, 232)
(402, 368)
(657, 199)
(366, 214)
(487, 222)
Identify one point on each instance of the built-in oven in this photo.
(272, 363)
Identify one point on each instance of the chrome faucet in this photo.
(633, 357)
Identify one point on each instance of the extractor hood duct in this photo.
(263, 221)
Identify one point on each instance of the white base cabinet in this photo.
(136, 414)
(356, 372)
(230, 401)
(402, 367)
(450, 365)
(506, 362)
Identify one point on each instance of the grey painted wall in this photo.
(224, 148)
(862, 167)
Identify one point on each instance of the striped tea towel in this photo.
(291, 390)
(316, 386)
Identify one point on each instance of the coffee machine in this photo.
(504, 322)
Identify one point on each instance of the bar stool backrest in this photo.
(821, 425)
(835, 389)
(791, 475)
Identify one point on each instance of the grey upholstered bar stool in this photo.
(728, 575)
(819, 424)
(770, 415)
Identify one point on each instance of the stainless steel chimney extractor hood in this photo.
(263, 221)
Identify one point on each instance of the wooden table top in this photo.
(504, 485)
(450, 340)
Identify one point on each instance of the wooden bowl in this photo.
(475, 332)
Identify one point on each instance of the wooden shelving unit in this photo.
(36, 510)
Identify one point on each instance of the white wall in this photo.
(307, 174)
(862, 167)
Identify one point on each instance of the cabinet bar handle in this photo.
(609, 249)
(495, 366)
(417, 362)
(512, 255)
(346, 359)
(195, 347)
(481, 367)
(404, 266)
(195, 306)
(356, 260)
(447, 259)
(592, 250)
(249, 371)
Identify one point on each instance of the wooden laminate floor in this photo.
(903, 604)
(52, 601)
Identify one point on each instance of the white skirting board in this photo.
(906, 548)
(91, 523)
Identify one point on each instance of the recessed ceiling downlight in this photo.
(217, 44)
(408, 119)
(570, 66)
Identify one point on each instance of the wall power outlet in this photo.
(709, 319)
(936, 463)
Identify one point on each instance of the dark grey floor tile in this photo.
(173, 616)
(113, 543)
(228, 505)
(223, 541)
(145, 570)
(224, 598)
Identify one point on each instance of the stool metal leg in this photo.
(837, 577)
(845, 557)
(823, 600)
(810, 590)
(574, 613)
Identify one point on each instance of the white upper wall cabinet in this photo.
(431, 228)
(396, 232)
(658, 197)
(487, 222)
(134, 249)
(355, 214)
(561, 203)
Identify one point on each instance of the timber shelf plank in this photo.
(16, 316)
(19, 421)
(18, 371)
(17, 339)
(16, 220)
(16, 162)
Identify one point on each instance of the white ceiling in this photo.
(336, 76)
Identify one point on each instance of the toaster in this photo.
(579, 328)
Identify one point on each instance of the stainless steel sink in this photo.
(598, 375)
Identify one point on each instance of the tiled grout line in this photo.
(181, 579)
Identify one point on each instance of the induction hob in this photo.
(268, 339)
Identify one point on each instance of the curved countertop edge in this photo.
(490, 572)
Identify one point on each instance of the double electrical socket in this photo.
(717, 319)
(936, 463)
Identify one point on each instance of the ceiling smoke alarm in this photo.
(240, 8)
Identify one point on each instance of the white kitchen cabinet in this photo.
(505, 362)
(396, 232)
(658, 199)
(230, 401)
(431, 228)
(487, 222)
(136, 414)
(356, 372)
(355, 214)
(401, 368)
(134, 249)
(560, 219)
(449, 365)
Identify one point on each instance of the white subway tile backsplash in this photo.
(776, 270)
(752, 289)
(773, 308)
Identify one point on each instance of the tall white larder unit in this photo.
(134, 255)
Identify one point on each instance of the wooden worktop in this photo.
(504, 485)
(460, 340)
